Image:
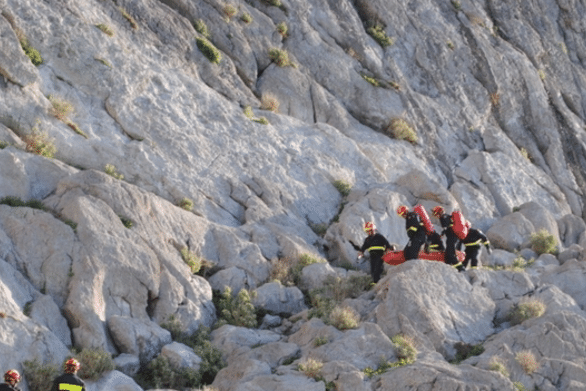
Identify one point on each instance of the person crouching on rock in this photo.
(415, 231)
(376, 245)
(11, 379)
(69, 380)
(452, 240)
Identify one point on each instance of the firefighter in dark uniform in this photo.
(415, 231)
(452, 241)
(473, 243)
(376, 245)
(434, 243)
(69, 381)
(11, 379)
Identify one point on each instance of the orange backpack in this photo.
(420, 210)
(459, 225)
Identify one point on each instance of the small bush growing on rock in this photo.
(311, 367)
(186, 204)
(276, 3)
(401, 130)
(303, 261)
(497, 365)
(344, 318)
(246, 18)
(371, 80)
(269, 102)
(319, 341)
(201, 27)
(404, 348)
(16, 202)
(159, 373)
(237, 311)
(343, 187)
(457, 5)
(281, 271)
(60, 108)
(378, 33)
(209, 50)
(261, 120)
(542, 242)
(527, 309)
(129, 18)
(465, 350)
(39, 143)
(111, 170)
(230, 11)
(39, 376)
(319, 229)
(527, 360)
(282, 29)
(280, 57)
(105, 29)
(3, 144)
(519, 386)
(94, 362)
(32, 53)
(126, 222)
(173, 325)
(192, 260)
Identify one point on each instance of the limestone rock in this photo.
(232, 340)
(129, 364)
(511, 232)
(181, 356)
(278, 299)
(114, 381)
(14, 64)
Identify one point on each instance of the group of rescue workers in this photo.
(457, 231)
(68, 381)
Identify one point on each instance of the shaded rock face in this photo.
(493, 91)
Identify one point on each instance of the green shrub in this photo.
(126, 222)
(261, 120)
(497, 365)
(94, 362)
(230, 11)
(527, 361)
(282, 28)
(457, 5)
(39, 143)
(405, 349)
(16, 202)
(371, 80)
(280, 57)
(173, 325)
(186, 204)
(310, 367)
(465, 350)
(129, 18)
(192, 260)
(212, 361)
(202, 28)
(209, 50)
(542, 242)
(319, 341)
(246, 18)
(60, 108)
(32, 53)
(276, 3)
(248, 113)
(519, 386)
(378, 33)
(401, 130)
(160, 374)
(319, 229)
(105, 29)
(111, 170)
(344, 318)
(343, 187)
(237, 311)
(527, 309)
(39, 376)
(3, 144)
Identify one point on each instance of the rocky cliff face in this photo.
(493, 91)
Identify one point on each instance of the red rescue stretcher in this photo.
(397, 257)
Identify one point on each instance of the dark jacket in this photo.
(476, 238)
(413, 224)
(8, 387)
(376, 245)
(69, 382)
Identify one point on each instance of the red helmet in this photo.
(438, 211)
(72, 365)
(402, 211)
(12, 377)
(369, 226)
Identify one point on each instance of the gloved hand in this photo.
(488, 248)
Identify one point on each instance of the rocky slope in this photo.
(494, 91)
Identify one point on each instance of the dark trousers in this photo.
(471, 256)
(412, 248)
(376, 267)
(450, 254)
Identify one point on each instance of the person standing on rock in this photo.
(415, 231)
(473, 243)
(452, 240)
(69, 381)
(11, 379)
(376, 245)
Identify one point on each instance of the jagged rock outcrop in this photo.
(493, 91)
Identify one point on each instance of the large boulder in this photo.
(181, 356)
(436, 303)
(278, 299)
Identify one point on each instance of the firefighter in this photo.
(69, 380)
(11, 379)
(452, 241)
(415, 231)
(473, 243)
(376, 245)
(434, 243)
